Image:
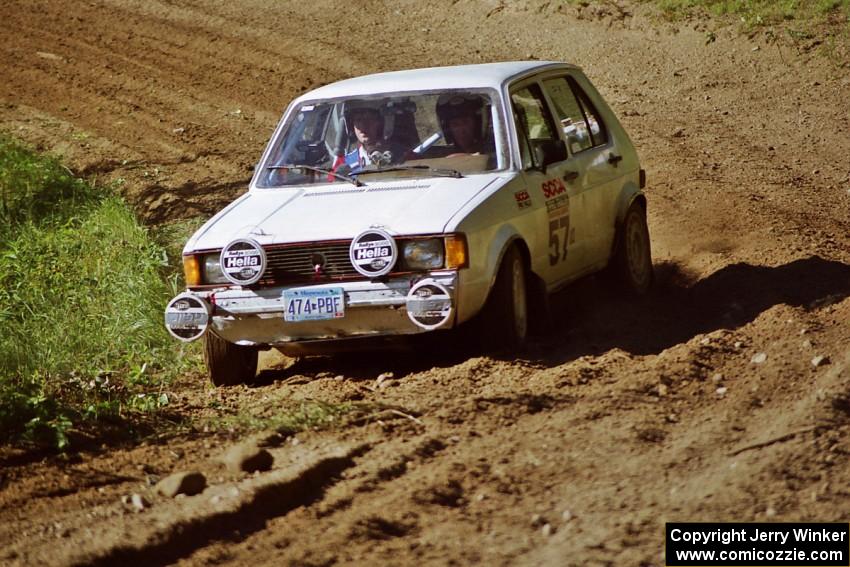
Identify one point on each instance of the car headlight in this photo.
(424, 254)
(212, 269)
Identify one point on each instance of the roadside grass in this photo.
(82, 289)
(757, 12)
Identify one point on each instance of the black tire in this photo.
(632, 263)
(229, 364)
(504, 320)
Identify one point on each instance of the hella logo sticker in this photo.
(243, 261)
(373, 253)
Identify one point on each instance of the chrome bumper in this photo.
(372, 308)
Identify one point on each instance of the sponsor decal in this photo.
(243, 261)
(523, 199)
(429, 305)
(558, 210)
(553, 187)
(373, 253)
(187, 317)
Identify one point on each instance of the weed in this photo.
(305, 415)
(82, 285)
(292, 418)
(171, 236)
(753, 13)
(808, 22)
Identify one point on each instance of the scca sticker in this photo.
(243, 261)
(553, 188)
(373, 253)
(558, 211)
(523, 199)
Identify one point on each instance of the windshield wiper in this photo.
(425, 168)
(352, 180)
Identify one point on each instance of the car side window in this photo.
(598, 131)
(579, 119)
(533, 121)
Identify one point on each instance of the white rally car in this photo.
(414, 201)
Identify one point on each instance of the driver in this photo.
(365, 122)
(462, 121)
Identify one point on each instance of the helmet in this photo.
(354, 107)
(453, 105)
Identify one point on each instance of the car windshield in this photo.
(446, 133)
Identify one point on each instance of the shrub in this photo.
(82, 289)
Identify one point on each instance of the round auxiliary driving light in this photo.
(243, 261)
(373, 253)
(429, 305)
(187, 317)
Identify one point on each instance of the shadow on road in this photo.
(594, 319)
(591, 319)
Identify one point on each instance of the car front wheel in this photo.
(633, 262)
(505, 316)
(229, 364)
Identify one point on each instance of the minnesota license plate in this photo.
(309, 304)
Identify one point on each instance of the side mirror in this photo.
(548, 152)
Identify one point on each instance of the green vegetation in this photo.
(82, 290)
(806, 24)
(291, 418)
(757, 12)
(301, 415)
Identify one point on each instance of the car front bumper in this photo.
(372, 309)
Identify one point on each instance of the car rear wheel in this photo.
(229, 364)
(633, 262)
(505, 317)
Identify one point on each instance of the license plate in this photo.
(309, 304)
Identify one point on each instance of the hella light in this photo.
(212, 269)
(424, 254)
(191, 270)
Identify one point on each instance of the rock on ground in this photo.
(247, 457)
(188, 483)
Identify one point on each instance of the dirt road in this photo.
(698, 403)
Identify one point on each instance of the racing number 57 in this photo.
(559, 232)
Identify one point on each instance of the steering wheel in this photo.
(315, 152)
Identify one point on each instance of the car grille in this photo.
(295, 263)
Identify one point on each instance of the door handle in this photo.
(570, 176)
(614, 159)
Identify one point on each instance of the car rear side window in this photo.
(533, 120)
(579, 119)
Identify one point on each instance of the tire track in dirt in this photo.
(173, 530)
(618, 414)
(658, 417)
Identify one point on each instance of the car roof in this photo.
(484, 75)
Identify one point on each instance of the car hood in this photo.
(335, 211)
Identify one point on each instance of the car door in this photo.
(559, 253)
(594, 159)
